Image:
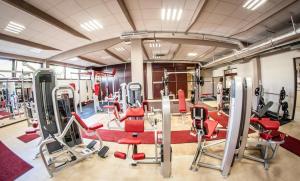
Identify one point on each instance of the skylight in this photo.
(253, 4)
(14, 27)
(92, 25)
(171, 14)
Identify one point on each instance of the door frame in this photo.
(295, 86)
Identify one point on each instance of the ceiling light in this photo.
(156, 57)
(14, 27)
(36, 50)
(120, 49)
(192, 54)
(154, 45)
(254, 4)
(91, 25)
(171, 14)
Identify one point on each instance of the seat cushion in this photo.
(274, 136)
(95, 126)
(134, 112)
(130, 141)
(210, 127)
(269, 124)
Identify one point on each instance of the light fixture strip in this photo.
(14, 27)
(91, 25)
(253, 4)
(171, 14)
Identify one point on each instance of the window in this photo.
(59, 71)
(5, 67)
(72, 73)
(29, 67)
(85, 75)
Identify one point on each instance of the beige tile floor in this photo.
(286, 166)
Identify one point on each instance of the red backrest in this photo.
(114, 71)
(73, 85)
(80, 121)
(134, 126)
(181, 98)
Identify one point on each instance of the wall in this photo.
(277, 71)
(124, 74)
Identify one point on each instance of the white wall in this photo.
(277, 71)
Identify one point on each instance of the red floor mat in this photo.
(4, 114)
(292, 144)
(177, 137)
(11, 165)
(28, 137)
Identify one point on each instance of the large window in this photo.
(27, 67)
(5, 67)
(59, 71)
(72, 73)
(84, 75)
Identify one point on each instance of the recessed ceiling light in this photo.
(192, 54)
(91, 25)
(171, 14)
(14, 27)
(154, 45)
(120, 49)
(253, 4)
(36, 50)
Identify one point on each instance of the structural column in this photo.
(137, 69)
(149, 81)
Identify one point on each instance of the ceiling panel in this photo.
(103, 57)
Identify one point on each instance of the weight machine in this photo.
(59, 123)
(240, 100)
(197, 81)
(97, 75)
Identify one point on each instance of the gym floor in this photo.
(284, 167)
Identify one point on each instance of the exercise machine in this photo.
(207, 129)
(163, 150)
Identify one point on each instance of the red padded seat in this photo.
(138, 156)
(95, 126)
(210, 127)
(130, 141)
(274, 136)
(120, 155)
(135, 112)
(84, 126)
(134, 126)
(269, 124)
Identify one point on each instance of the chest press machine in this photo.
(60, 125)
(236, 140)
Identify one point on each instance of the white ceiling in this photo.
(218, 17)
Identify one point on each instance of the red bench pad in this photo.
(134, 112)
(182, 103)
(138, 156)
(269, 124)
(120, 155)
(134, 126)
(95, 126)
(130, 141)
(210, 127)
(274, 136)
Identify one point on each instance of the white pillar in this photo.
(137, 69)
(149, 81)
